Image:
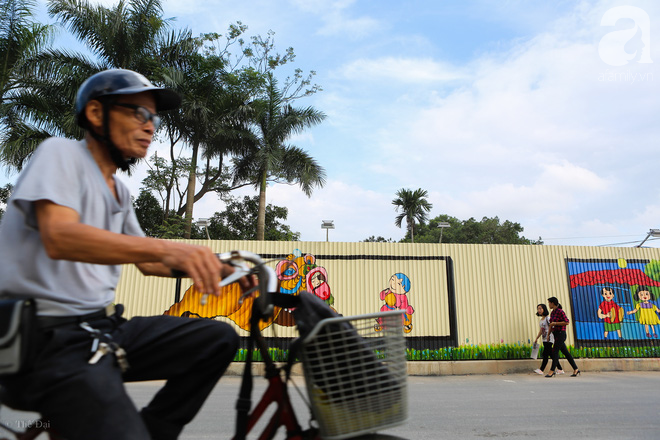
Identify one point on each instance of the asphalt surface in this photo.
(605, 405)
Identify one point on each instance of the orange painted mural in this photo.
(297, 272)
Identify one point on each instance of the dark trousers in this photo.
(85, 402)
(547, 354)
(560, 345)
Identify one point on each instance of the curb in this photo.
(463, 368)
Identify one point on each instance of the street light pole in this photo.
(652, 233)
(442, 226)
(327, 225)
(204, 223)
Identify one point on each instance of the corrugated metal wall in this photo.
(497, 287)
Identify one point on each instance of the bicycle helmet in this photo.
(114, 82)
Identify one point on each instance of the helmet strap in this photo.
(115, 154)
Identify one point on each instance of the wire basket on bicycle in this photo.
(355, 375)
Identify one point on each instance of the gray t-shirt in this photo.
(64, 172)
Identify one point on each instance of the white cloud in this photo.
(337, 18)
(408, 71)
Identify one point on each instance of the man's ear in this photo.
(94, 113)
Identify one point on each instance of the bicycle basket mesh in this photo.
(356, 374)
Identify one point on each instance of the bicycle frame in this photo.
(277, 392)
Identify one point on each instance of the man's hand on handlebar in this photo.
(202, 266)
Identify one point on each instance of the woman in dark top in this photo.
(558, 323)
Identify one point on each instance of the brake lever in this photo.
(242, 269)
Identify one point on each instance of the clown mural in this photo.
(396, 298)
(298, 272)
(317, 283)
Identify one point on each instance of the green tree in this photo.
(238, 221)
(379, 239)
(21, 38)
(5, 193)
(149, 213)
(275, 120)
(413, 206)
(164, 179)
(486, 231)
(133, 35)
(213, 118)
(272, 159)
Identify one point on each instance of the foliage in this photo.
(21, 38)
(173, 227)
(238, 222)
(270, 159)
(149, 213)
(413, 206)
(486, 231)
(164, 178)
(379, 239)
(5, 193)
(228, 98)
(212, 120)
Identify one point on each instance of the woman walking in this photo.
(558, 323)
(548, 338)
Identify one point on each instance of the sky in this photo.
(540, 112)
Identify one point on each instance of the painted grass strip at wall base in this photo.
(486, 352)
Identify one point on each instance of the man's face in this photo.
(131, 136)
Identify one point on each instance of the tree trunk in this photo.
(190, 192)
(411, 223)
(261, 215)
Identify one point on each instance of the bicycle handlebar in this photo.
(266, 276)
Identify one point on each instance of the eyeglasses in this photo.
(142, 114)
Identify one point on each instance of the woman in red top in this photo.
(558, 323)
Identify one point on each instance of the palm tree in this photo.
(213, 121)
(414, 206)
(271, 159)
(132, 35)
(20, 39)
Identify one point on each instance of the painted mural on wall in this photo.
(297, 272)
(396, 298)
(615, 299)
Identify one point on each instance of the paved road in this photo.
(613, 405)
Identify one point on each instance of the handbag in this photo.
(17, 332)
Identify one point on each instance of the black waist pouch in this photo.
(18, 330)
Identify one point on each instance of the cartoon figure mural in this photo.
(396, 298)
(317, 283)
(297, 272)
(610, 312)
(646, 311)
(603, 290)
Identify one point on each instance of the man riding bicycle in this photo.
(68, 227)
